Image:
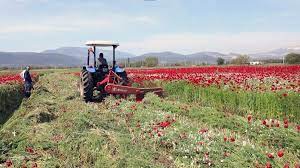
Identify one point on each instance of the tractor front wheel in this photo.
(86, 86)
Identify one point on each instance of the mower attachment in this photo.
(113, 86)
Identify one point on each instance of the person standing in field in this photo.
(27, 81)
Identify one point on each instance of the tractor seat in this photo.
(103, 68)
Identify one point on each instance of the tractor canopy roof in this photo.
(101, 43)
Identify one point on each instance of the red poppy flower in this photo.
(298, 128)
(133, 107)
(285, 121)
(29, 150)
(225, 138)
(280, 153)
(138, 125)
(164, 124)
(268, 165)
(200, 143)
(226, 154)
(8, 163)
(286, 165)
(270, 155)
(34, 165)
(249, 117)
(232, 139)
(264, 122)
(24, 165)
(202, 131)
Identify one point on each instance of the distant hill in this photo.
(13, 59)
(171, 57)
(275, 54)
(164, 57)
(76, 56)
(205, 57)
(81, 53)
(65, 56)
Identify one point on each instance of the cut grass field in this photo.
(55, 128)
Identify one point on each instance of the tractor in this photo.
(99, 81)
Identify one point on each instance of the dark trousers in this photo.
(27, 88)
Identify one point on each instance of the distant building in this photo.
(256, 63)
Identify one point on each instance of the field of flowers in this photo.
(266, 91)
(208, 118)
(11, 93)
(10, 78)
(251, 78)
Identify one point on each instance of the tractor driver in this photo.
(102, 64)
(102, 61)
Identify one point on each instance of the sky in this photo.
(140, 26)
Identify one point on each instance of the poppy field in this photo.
(10, 94)
(209, 117)
(4, 79)
(282, 79)
(265, 91)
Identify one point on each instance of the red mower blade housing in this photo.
(113, 86)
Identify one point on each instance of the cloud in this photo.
(144, 19)
(34, 28)
(31, 1)
(245, 42)
(73, 23)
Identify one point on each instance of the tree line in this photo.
(291, 58)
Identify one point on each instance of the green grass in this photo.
(66, 132)
(10, 98)
(262, 105)
(90, 134)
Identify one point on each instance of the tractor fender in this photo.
(91, 70)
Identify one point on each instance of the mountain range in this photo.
(76, 56)
(17, 59)
(81, 53)
(172, 58)
(276, 54)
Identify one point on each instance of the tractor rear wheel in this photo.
(86, 86)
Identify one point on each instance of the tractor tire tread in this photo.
(87, 85)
